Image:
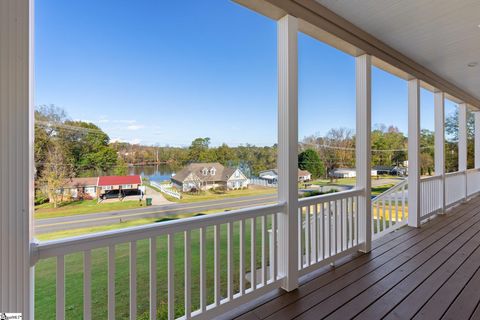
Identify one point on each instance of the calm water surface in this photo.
(157, 173)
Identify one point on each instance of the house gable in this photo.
(237, 174)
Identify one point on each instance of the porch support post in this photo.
(462, 144)
(439, 111)
(414, 153)
(477, 139)
(287, 150)
(363, 148)
(16, 156)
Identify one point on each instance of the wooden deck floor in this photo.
(428, 273)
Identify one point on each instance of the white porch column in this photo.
(414, 153)
(462, 137)
(439, 111)
(16, 156)
(477, 139)
(462, 144)
(363, 148)
(287, 150)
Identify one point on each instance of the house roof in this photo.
(383, 167)
(81, 182)
(221, 173)
(119, 180)
(344, 170)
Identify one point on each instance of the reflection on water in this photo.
(156, 173)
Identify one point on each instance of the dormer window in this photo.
(205, 171)
(212, 171)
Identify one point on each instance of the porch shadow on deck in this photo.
(428, 273)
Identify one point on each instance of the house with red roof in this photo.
(93, 187)
(118, 184)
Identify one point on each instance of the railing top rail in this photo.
(425, 179)
(389, 191)
(103, 239)
(329, 197)
(456, 173)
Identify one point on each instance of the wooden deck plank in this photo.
(465, 304)
(443, 298)
(383, 296)
(422, 277)
(476, 313)
(431, 253)
(352, 299)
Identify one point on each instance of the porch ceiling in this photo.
(441, 35)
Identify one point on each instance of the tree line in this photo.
(65, 148)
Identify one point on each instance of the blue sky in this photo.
(201, 70)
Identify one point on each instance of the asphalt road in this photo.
(107, 218)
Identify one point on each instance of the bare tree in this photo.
(336, 148)
(55, 173)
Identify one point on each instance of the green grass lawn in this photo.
(82, 207)
(218, 195)
(45, 276)
(381, 189)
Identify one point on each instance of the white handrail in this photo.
(431, 178)
(456, 173)
(391, 190)
(54, 248)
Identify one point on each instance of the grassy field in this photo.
(82, 207)
(381, 189)
(218, 195)
(45, 276)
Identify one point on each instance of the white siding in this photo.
(16, 156)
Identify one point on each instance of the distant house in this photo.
(204, 176)
(119, 184)
(304, 175)
(392, 170)
(341, 173)
(80, 188)
(93, 187)
(384, 169)
(271, 175)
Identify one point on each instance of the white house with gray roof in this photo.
(204, 176)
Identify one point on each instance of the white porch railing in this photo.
(431, 195)
(473, 181)
(328, 227)
(390, 210)
(455, 187)
(224, 234)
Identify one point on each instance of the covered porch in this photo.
(431, 272)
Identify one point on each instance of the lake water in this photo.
(157, 173)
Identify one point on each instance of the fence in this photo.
(263, 183)
(167, 189)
